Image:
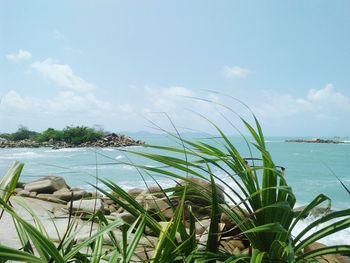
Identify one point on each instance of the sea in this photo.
(310, 168)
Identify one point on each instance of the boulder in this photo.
(232, 245)
(126, 216)
(198, 195)
(23, 193)
(32, 194)
(68, 195)
(135, 191)
(156, 206)
(50, 198)
(47, 184)
(155, 190)
(86, 206)
(17, 190)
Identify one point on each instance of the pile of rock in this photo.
(81, 203)
(113, 140)
(52, 189)
(110, 140)
(315, 140)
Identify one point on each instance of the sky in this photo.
(136, 65)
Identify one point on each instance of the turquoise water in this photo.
(306, 167)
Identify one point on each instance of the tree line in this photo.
(70, 134)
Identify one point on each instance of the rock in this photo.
(156, 206)
(135, 191)
(50, 198)
(317, 211)
(86, 206)
(155, 190)
(198, 195)
(232, 244)
(106, 209)
(20, 185)
(32, 194)
(112, 208)
(47, 184)
(230, 228)
(24, 193)
(201, 226)
(60, 212)
(331, 258)
(126, 216)
(68, 195)
(17, 190)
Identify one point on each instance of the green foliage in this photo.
(81, 134)
(74, 135)
(263, 209)
(50, 135)
(21, 134)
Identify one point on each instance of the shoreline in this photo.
(110, 140)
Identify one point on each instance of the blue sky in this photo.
(116, 63)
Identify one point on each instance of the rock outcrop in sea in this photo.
(315, 140)
(110, 140)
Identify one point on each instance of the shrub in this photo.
(50, 134)
(81, 134)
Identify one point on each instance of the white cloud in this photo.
(62, 75)
(21, 55)
(235, 72)
(167, 99)
(324, 103)
(64, 104)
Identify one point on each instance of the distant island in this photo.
(71, 136)
(315, 140)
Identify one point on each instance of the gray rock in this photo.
(86, 206)
(50, 198)
(135, 191)
(155, 190)
(155, 206)
(127, 217)
(17, 190)
(32, 194)
(68, 195)
(47, 184)
(24, 193)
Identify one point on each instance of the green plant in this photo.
(265, 196)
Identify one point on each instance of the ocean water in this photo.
(309, 168)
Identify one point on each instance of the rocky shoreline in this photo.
(110, 140)
(315, 140)
(55, 203)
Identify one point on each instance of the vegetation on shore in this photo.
(262, 211)
(71, 134)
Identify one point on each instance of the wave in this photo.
(340, 238)
(66, 150)
(21, 155)
(119, 157)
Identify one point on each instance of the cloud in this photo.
(62, 75)
(65, 103)
(167, 99)
(20, 56)
(235, 72)
(323, 103)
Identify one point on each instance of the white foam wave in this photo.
(119, 157)
(108, 149)
(21, 155)
(66, 150)
(340, 238)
